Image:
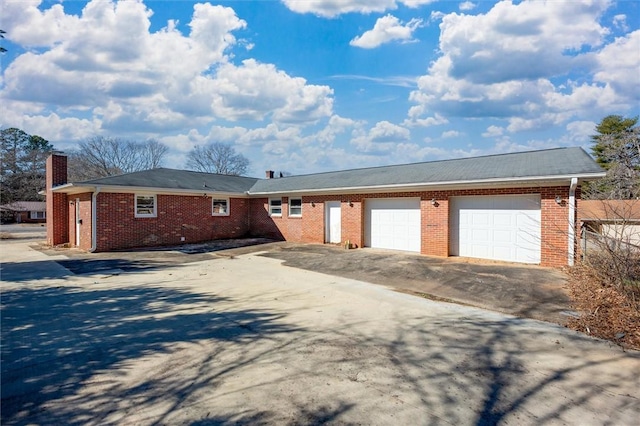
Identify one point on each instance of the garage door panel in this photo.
(503, 237)
(496, 227)
(393, 224)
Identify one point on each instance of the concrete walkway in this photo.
(246, 340)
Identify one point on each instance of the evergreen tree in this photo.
(22, 172)
(617, 149)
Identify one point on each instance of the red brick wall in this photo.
(177, 216)
(434, 222)
(57, 220)
(261, 224)
(25, 217)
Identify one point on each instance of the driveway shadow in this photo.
(56, 338)
(48, 269)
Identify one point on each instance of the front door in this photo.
(334, 222)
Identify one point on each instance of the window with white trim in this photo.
(295, 207)
(37, 215)
(275, 206)
(220, 207)
(146, 205)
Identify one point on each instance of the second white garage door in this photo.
(393, 223)
(496, 227)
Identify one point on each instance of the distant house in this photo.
(517, 207)
(24, 212)
(612, 219)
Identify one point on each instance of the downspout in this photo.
(94, 220)
(572, 221)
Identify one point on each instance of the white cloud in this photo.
(436, 120)
(416, 3)
(333, 8)
(450, 134)
(106, 64)
(337, 125)
(515, 61)
(255, 90)
(618, 66)
(528, 40)
(620, 21)
(493, 132)
(386, 29)
(579, 132)
(467, 6)
(380, 139)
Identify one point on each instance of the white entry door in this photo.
(78, 222)
(496, 227)
(393, 224)
(334, 222)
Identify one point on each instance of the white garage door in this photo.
(497, 227)
(393, 223)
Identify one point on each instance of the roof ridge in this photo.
(167, 169)
(434, 161)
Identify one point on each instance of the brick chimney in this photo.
(269, 174)
(57, 209)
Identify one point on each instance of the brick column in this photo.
(57, 209)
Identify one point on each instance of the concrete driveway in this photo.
(521, 290)
(246, 340)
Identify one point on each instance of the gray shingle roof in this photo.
(558, 162)
(25, 206)
(176, 179)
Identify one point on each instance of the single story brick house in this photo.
(25, 211)
(517, 207)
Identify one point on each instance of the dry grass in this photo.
(607, 310)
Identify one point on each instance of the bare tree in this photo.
(101, 157)
(218, 158)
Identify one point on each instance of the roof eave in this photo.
(71, 188)
(434, 186)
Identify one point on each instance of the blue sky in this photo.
(317, 85)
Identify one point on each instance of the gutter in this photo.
(572, 221)
(94, 220)
(71, 188)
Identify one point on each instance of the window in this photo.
(295, 206)
(220, 207)
(37, 215)
(275, 206)
(146, 206)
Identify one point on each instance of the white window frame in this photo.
(227, 206)
(37, 215)
(298, 207)
(272, 207)
(155, 205)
